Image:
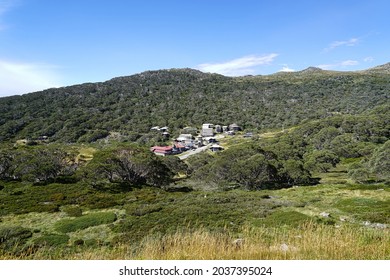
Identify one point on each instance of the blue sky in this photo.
(48, 43)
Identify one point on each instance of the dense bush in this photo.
(51, 240)
(36, 164)
(73, 211)
(11, 237)
(253, 165)
(132, 165)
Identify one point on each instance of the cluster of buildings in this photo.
(190, 139)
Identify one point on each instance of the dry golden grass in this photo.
(311, 241)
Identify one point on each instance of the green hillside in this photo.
(185, 97)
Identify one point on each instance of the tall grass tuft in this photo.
(310, 241)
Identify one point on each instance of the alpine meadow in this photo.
(182, 164)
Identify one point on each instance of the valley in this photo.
(306, 176)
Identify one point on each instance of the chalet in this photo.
(162, 150)
(166, 134)
(164, 129)
(185, 139)
(211, 140)
(207, 130)
(178, 148)
(234, 127)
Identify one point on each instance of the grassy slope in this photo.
(275, 224)
(267, 220)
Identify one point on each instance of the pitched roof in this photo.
(161, 148)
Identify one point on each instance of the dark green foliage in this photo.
(366, 209)
(175, 165)
(217, 211)
(376, 167)
(293, 172)
(321, 161)
(73, 211)
(45, 198)
(36, 164)
(284, 218)
(184, 97)
(132, 165)
(92, 136)
(144, 209)
(10, 237)
(198, 161)
(83, 222)
(380, 162)
(249, 166)
(51, 240)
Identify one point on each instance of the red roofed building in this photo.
(179, 147)
(162, 150)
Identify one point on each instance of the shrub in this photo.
(143, 209)
(13, 236)
(289, 218)
(51, 240)
(73, 211)
(83, 222)
(366, 209)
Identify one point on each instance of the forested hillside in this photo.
(185, 97)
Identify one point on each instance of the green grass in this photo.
(131, 216)
(367, 209)
(284, 218)
(83, 222)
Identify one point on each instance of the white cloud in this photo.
(368, 59)
(349, 43)
(338, 65)
(349, 63)
(238, 67)
(20, 78)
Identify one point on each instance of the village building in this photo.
(234, 127)
(207, 130)
(186, 140)
(216, 148)
(211, 140)
(199, 141)
(166, 134)
(218, 128)
(162, 150)
(178, 148)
